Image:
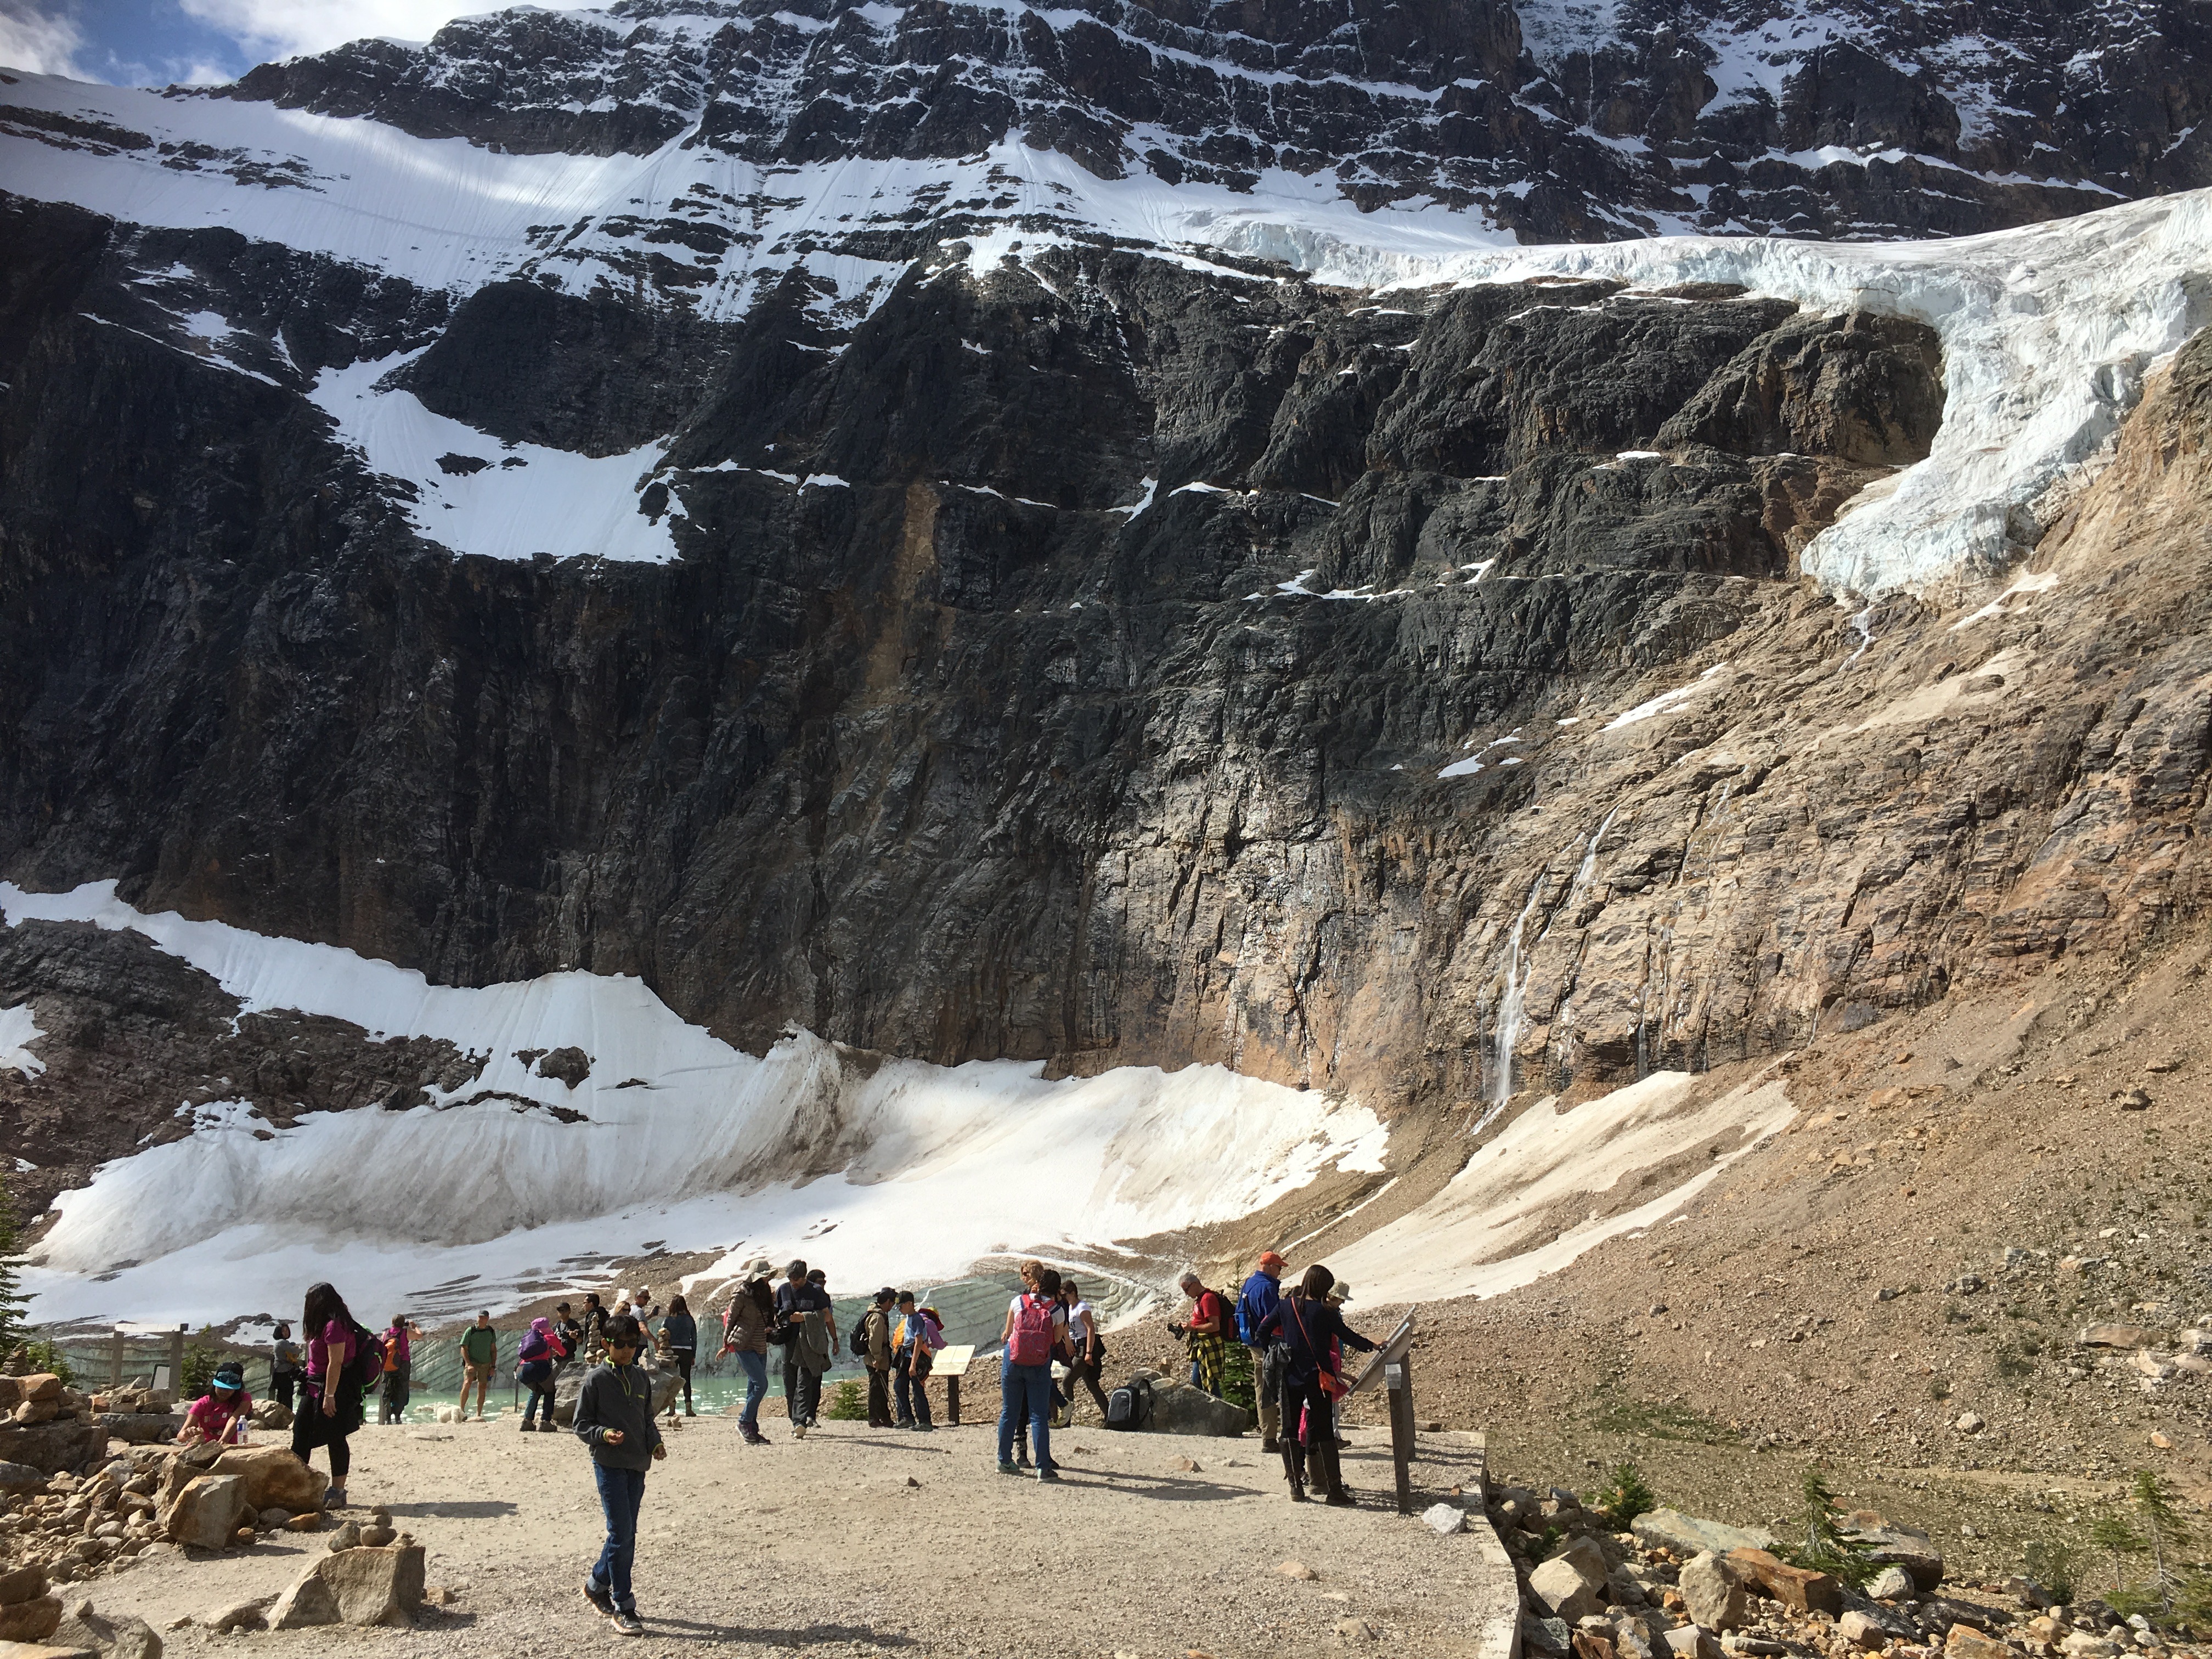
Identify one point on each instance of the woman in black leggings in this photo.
(329, 1404)
(1311, 1330)
(1086, 1347)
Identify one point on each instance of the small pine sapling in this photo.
(1827, 1547)
(1625, 1495)
(2164, 1531)
(2113, 1536)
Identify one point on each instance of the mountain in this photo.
(1063, 543)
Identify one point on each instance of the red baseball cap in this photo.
(1269, 1259)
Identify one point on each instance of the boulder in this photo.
(375, 1586)
(38, 1385)
(237, 1615)
(207, 1513)
(1444, 1519)
(1714, 1591)
(20, 1584)
(1686, 1535)
(1965, 1642)
(141, 1428)
(1633, 1639)
(31, 1621)
(2116, 1336)
(1861, 1632)
(274, 1479)
(122, 1637)
(1564, 1589)
(45, 1651)
(347, 1536)
(1795, 1587)
(53, 1448)
(1892, 1547)
(20, 1476)
(1690, 1642)
(1179, 1409)
(1891, 1584)
(309, 1602)
(568, 1384)
(2087, 1644)
(1547, 1636)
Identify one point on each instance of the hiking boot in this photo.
(1294, 1469)
(628, 1624)
(599, 1598)
(335, 1499)
(1005, 1468)
(530, 1428)
(1023, 1461)
(752, 1436)
(1049, 1471)
(1270, 1446)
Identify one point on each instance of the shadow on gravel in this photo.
(691, 1630)
(467, 1509)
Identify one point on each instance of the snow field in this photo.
(902, 1168)
(1473, 1239)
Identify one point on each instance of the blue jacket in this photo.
(1259, 1297)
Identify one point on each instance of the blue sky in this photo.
(153, 42)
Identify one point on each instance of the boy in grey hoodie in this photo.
(614, 1418)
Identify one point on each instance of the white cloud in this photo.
(279, 28)
(37, 44)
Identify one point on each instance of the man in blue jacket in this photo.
(1261, 1292)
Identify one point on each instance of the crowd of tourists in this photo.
(1051, 1343)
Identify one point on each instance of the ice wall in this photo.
(894, 1170)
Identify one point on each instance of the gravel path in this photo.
(861, 1540)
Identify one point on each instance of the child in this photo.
(614, 1418)
(216, 1415)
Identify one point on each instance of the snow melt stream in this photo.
(869, 1168)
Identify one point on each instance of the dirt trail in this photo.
(826, 1545)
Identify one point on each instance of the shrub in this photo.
(1827, 1547)
(1625, 1495)
(847, 1405)
(2050, 1562)
(1238, 1381)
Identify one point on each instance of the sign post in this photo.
(952, 1363)
(1392, 1365)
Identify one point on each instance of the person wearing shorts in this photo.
(479, 1358)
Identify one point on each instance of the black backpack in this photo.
(1127, 1408)
(859, 1341)
(360, 1372)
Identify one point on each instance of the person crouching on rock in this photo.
(216, 1414)
(1308, 1325)
(614, 1418)
(541, 1351)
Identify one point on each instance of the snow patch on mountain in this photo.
(19, 1029)
(679, 1140)
(474, 494)
(1481, 1236)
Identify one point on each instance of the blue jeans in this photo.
(538, 1377)
(912, 1397)
(756, 1366)
(1025, 1389)
(622, 1492)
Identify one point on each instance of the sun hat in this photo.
(228, 1375)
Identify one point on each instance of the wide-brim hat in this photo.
(1340, 1292)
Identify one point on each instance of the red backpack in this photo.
(1032, 1339)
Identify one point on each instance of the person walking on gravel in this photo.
(1263, 1290)
(614, 1418)
(330, 1405)
(1315, 1334)
(745, 1334)
(1086, 1348)
(919, 1335)
(479, 1347)
(1209, 1320)
(873, 1339)
(681, 1332)
(284, 1358)
(1035, 1320)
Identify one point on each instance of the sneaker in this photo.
(628, 1624)
(797, 1430)
(1005, 1468)
(599, 1598)
(752, 1436)
(1049, 1471)
(335, 1499)
(925, 1428)
(530, 1428)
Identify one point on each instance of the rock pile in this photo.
(137, 1416)
(47, 1425)
(1678, 1587)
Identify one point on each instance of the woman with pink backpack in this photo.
(1033, 1332)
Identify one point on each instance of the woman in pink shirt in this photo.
(330, 1406)
(216, 1414)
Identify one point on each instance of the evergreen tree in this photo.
(13, 1331)
(1827, 1547)
(2112, 1534)
(2163, 1527)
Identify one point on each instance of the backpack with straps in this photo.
(859, 1341)
(1032, 1339)
(365, 1364)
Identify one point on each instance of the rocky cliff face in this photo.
(1011, 637)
